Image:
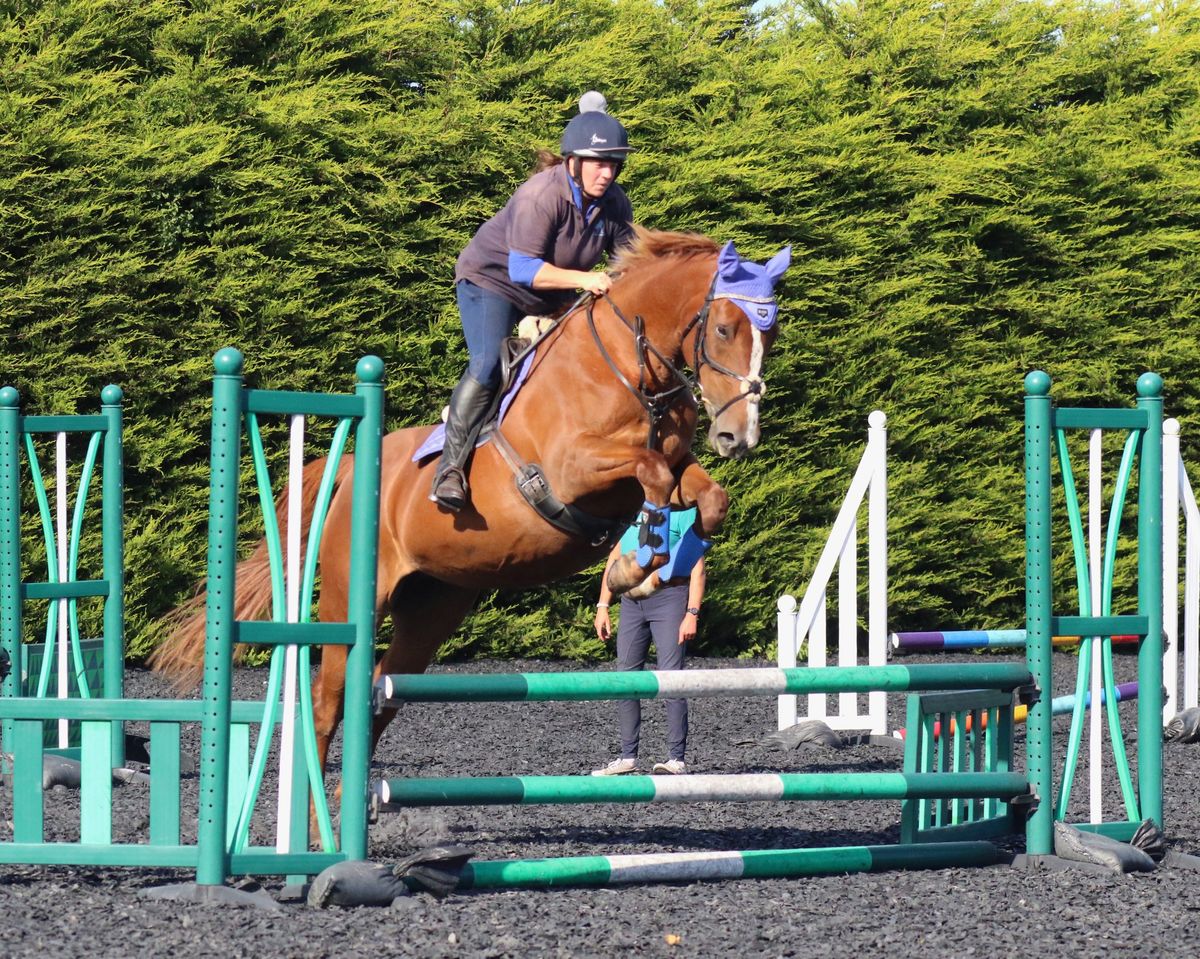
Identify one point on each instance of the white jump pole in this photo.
(1191, 593)
(64, 641)
(287, 728)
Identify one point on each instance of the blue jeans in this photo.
(656, 617)
(486, 319)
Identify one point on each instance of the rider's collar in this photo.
(577, 194)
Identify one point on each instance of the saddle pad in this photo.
(437, 439)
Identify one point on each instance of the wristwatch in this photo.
(694, 610)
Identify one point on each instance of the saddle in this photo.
(530, 331)
(530, 479)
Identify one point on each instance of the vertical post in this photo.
(10, 550)
(112, 519)
(291, 756)
(877, 558)
(63, 672)
(1191, 593)
(1039, 427)
(1095, 550)
(847, 624)
(1170, 566)
(213, 865)
(818, 702)
(1150, 597)
(364, 546)
(785, 654)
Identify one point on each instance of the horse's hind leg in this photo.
(425, 612)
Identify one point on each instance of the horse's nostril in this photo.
(726, 439)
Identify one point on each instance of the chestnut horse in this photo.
(597, 380)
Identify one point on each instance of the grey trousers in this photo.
(656, 617)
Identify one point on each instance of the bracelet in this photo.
(602, 606)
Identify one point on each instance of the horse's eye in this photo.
(723, 331)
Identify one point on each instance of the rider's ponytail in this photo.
(544, 160)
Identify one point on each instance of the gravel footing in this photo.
(66, 912)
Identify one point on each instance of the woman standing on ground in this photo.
(668, 616)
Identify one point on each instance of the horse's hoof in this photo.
(647, 586)
(625, 574)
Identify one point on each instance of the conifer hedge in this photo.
(973, 188)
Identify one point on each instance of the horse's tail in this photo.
(181, 655)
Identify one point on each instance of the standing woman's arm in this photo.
(696, 584)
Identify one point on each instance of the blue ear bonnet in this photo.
(750, 286)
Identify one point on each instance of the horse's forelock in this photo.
(650, 245)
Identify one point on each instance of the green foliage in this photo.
(973, 188)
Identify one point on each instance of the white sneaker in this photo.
(618, 767)
(672, 767)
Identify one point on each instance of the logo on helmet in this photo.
(596, 138)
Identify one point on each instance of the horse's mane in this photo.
(649, 245)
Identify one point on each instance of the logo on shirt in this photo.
(598, 139)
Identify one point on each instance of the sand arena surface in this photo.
(64, 912)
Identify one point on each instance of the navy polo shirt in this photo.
(544, 219)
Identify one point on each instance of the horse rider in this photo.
(529, 259)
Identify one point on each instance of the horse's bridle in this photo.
(531, 480)
(656, 405)
(751, 384)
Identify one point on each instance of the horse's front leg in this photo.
(695, 488)
(610, 462)
(711, 500)
(654, 546)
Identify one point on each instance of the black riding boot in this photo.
(470, 404)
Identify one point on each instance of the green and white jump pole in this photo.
(753, 787)
(694, 683)
(696, 866)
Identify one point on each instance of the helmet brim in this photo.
(616, 153)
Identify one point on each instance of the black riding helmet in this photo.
(592, 133)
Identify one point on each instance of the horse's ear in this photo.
(779, 264)
(728, 261)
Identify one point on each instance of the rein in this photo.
(656, 405)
